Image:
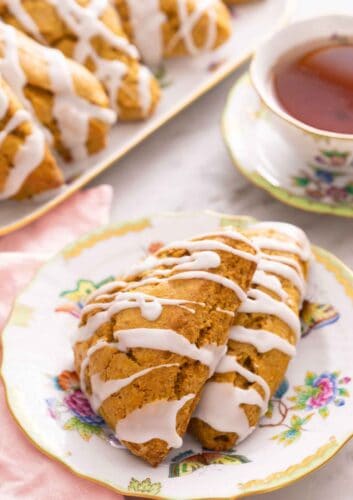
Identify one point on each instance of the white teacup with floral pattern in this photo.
(328, 155)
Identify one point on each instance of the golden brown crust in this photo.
(58, 35)
(174, 45)
(206, 325)
(271, 365)
(46, 176)
(39, 93)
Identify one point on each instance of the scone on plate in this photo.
(27, 167)
(261, 343)
(146, 347)
(64, 97)
(168, 28)
(91, 33)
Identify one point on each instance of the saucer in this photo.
(272, 163)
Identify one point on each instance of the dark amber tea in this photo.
(317, 88)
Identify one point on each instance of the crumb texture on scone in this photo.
(91, 34)
(261, 343)
(175, 27)
(63, 96)
(146, 346)
(26, 164)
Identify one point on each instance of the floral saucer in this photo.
(307, 421)
(271, 162)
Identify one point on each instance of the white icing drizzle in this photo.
(269, 281)
(169, 340)
(144, 88)
(290, 231)
(71, 112)
(106, 289)
(217, 395)
(188, 21)
(285, 260)
(192, 246)
(231, 233)
(155, 420)
(103, 389)
(198, 260)
(10, 67)
(150, 306)
(202, 275)
(225, 311)
(30, 153)
(284, 270)
(262, 340)
(229, 364)
(260, 302)
(202, 256)
(146, 21)
(268, 243)
(194, 266)
(4, 103)
(16, 8)
(85, 23)
(220, 407)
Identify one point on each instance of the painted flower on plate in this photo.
(77, 402)
(319, 391)
(144, 486)
(293, 431)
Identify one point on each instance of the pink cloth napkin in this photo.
(25, 473)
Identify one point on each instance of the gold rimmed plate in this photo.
(307, 422)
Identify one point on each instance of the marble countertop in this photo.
(185, 167)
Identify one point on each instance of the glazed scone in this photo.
(91, 33)
(27, 167)
(261, 343)
(146, 347)
(63, 95)
(168, 28)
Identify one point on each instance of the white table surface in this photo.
(185, 166)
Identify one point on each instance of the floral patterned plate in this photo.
(307, 422)
(263, 156)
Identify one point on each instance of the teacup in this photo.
(319, 150)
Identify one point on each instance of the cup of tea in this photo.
(304, 77)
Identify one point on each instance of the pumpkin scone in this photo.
(64, 96)
(90, 32)
(145, 347)
(261, 343)
(27, 167)
(169, 28)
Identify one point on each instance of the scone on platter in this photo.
(62, 95)
(27, 167)
(261, 343)
(91, 33)
(168, 28)
(145, 347)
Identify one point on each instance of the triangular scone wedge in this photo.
(145, 349)
(91, 34)
(174, 27)
(62, 95)
(27, 167)
(261, 343)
